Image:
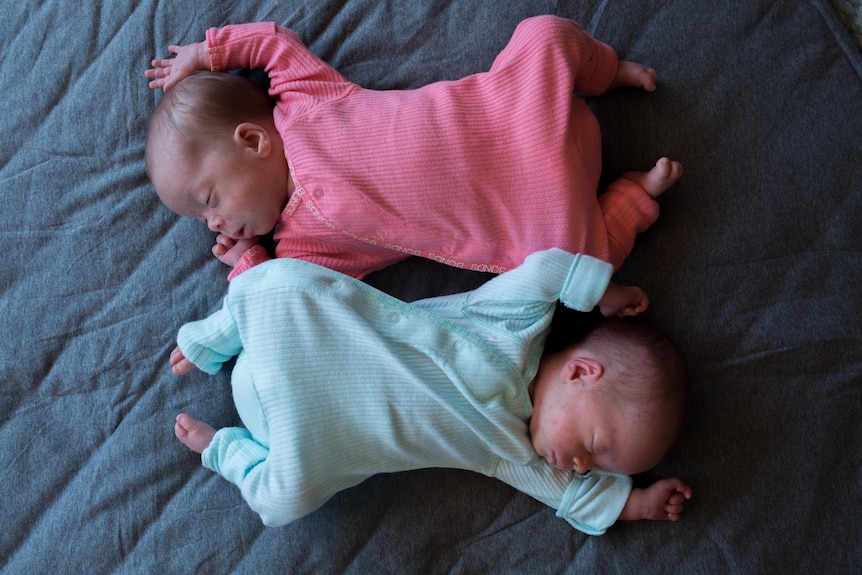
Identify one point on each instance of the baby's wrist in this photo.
(633, 509)
(203, 56)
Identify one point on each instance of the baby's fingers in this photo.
(225, 241)
(161, 64)
(679, 488)
(675, 502)
(676, 499)
(223, 245)
(673, 511)
(157, 76)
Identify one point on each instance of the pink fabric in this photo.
(477, 173)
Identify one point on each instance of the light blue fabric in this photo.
(337, 381)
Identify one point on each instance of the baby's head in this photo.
(614, 400)
(213, 153)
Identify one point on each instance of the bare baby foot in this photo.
(634, 75)
(196, 435)
(657, 180)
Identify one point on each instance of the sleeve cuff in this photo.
(586, 283)
(594, 504)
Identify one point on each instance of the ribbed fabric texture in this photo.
(338, 381)
(476, 173)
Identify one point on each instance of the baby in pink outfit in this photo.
(476, 173)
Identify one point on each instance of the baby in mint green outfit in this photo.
(336, 381)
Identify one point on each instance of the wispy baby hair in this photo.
(204, 106)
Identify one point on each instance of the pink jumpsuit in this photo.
(476, 173)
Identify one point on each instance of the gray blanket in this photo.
(754, 267)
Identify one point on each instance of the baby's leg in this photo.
(629, 206)
(196, 435)
(634, 75)
(657, 180)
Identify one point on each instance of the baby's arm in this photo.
(590, 503)
(580, 282)
(188, 59)
(663, 500)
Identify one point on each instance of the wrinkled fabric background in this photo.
(754, 267)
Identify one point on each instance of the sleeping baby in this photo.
(336, 381)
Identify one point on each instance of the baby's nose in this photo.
(581, 465)
(215, 224)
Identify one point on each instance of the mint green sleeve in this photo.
(589, 503)
(210, 342)
(577, 280)
(516, 307)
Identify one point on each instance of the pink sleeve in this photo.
(352, 260)
(354, 264)
(253, 256)
(297, 77)
(627, 210)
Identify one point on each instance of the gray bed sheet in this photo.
(754, 267)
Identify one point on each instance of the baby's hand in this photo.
(189, 59)
(623, 301)
(229, 251)
(180, 365)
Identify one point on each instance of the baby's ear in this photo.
(253, 138)
(581, 370)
